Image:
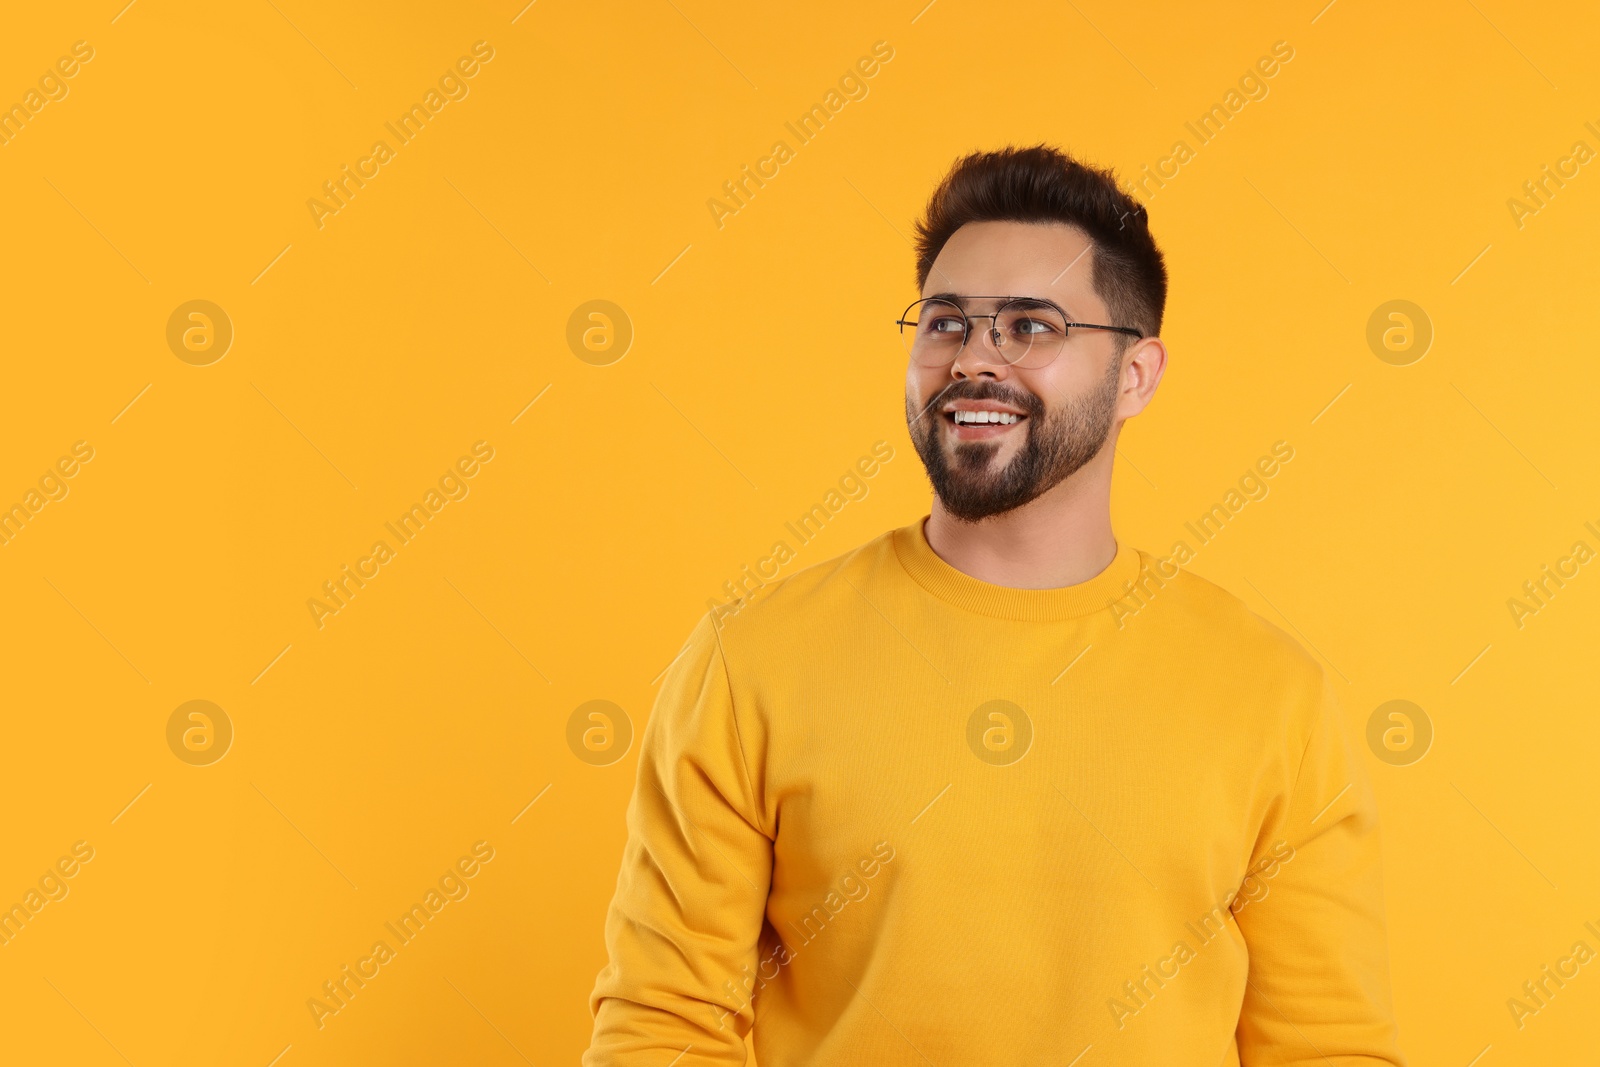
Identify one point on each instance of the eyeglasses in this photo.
(1026, 331)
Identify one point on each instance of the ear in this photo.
(1143, 364)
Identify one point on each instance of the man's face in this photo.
(1067, 408)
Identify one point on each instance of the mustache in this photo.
(985, 389)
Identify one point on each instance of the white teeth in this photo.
(982, 417)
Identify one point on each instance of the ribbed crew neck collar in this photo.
(947, 583)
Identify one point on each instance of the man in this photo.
(995, 788)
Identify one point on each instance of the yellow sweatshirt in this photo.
(887, 813)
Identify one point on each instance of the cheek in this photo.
(1070, 379)
(922, 385)
(1054, 385)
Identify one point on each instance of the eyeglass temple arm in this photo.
(1129, 330)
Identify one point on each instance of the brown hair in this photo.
(1044, 184)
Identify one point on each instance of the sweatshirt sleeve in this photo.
(691, 895)
(1311, 912)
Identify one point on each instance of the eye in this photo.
(1032, 326)
(945, 324)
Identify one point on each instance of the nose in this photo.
(980, 356)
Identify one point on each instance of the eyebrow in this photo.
(957, 298)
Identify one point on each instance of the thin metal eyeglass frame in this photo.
(967, 318)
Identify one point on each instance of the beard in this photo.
(1057, 443)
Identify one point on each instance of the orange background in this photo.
(429, 312)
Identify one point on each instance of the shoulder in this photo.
(810, 596)
(1181, 606)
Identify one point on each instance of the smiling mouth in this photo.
(981, 425)
(980, 418)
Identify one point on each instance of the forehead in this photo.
(1050, 259)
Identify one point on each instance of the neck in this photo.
(1060, 538)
